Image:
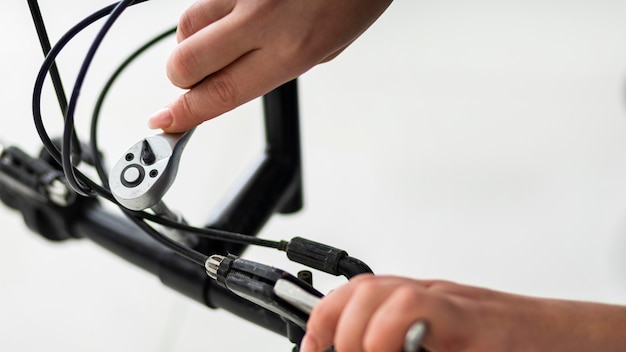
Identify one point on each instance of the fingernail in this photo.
(309, 344)
(160, 119)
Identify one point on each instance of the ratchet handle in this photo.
(140, 179)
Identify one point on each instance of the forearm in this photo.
(580, 326)
(498, 321)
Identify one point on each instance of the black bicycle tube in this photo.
(123, 238)
(275, 185)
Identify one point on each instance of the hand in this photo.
(372, 313)
(232, 51)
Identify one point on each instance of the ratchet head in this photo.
(140, 179)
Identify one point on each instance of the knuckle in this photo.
(359, 279)
(455, 289)
(185, 105)
(368, 288)
(409, 297)
(293, 61)
(416, 300)
(222, 91)
(184, 110)
(344, 345)
(185, 27)
(180, 66)
(406, 303)
(443, 285)
(188, 111)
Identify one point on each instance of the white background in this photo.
(481, 142)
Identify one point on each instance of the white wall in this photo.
(482, 142)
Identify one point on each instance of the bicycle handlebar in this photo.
(25, 184)
(123, 238)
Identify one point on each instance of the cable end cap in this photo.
(212, 264)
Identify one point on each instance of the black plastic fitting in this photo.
(326, 258)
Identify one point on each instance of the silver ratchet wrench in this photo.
(140, 178)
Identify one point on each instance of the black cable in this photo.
(55, 77)
(68, 132)
(217, 234)
(52, 149)
(42, 34)
(182, 250)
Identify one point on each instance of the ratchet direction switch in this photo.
(140, 179)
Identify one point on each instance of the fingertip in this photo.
(309, 344)
(161, 119)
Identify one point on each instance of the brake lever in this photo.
(256, 283)
(282, 293)
(295, 295)
(140, 179)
